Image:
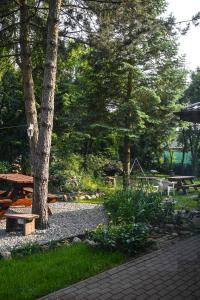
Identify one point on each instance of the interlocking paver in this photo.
(172, 273)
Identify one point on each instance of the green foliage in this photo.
(65, 174)
(128, 238)
(94, 108)
(192, 93)
(95, 164)
(13, 141)
(5, 167)
(136, 206)
(28, 249)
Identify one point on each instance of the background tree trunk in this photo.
(127, 144)
(184, 150)
(126, 162)
(194, 139)
(28, 84)
(42, 156)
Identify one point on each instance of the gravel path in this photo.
(68, 219)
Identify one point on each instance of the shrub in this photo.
(95, 164)
(65, 174)
(27, 249)
(128, 238)
(137, 206)
(5, 167)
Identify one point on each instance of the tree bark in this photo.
(28, 83)
(183, 150)
(194, 139)
(42, 154)
(127, 144)
(126, 162)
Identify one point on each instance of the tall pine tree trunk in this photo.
(42, 155)
(183, 151)
(126, 162)
(28, 84)
(127, 144)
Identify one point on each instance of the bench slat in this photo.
(22, 216)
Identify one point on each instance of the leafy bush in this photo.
(128, 238)
(95, 164)
(137, 206)
(68, 175)
(28, 249)
(65, 174)
(5, 167)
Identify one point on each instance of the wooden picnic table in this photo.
(184, 182)
(150, 178)
(20, 192)
(18, 182)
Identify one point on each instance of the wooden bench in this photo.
(22, 201)
(5, 203)
(21, 222)
(26, 202)
(3, 193)
(50, 199)
(187, 186)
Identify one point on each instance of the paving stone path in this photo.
(166, 274)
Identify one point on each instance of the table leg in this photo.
(29, 227)
(194, 187)
(10, 225)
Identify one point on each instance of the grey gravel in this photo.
(67, 220)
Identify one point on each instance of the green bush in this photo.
(65, 174)
(95, 164)
(28, 249)
(5, 167)
(137, 206)
(127, 238)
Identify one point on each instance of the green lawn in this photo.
(36, 275)
(188, 201)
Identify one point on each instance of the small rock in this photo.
(45, 247)
(196, 221)
(185, 227)
(185, 233)
(156, 229)
(91, 243)
(169, 227)
(76, 240)
(70, 198)
(65, 198)
(154, 245)
(6, 255)
(81, 197)
(174, 234)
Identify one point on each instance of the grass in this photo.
(92, 201)
(189, 201)
(33, 276)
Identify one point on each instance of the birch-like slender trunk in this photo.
(127, 144)
(28, 83)
(42, 154)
